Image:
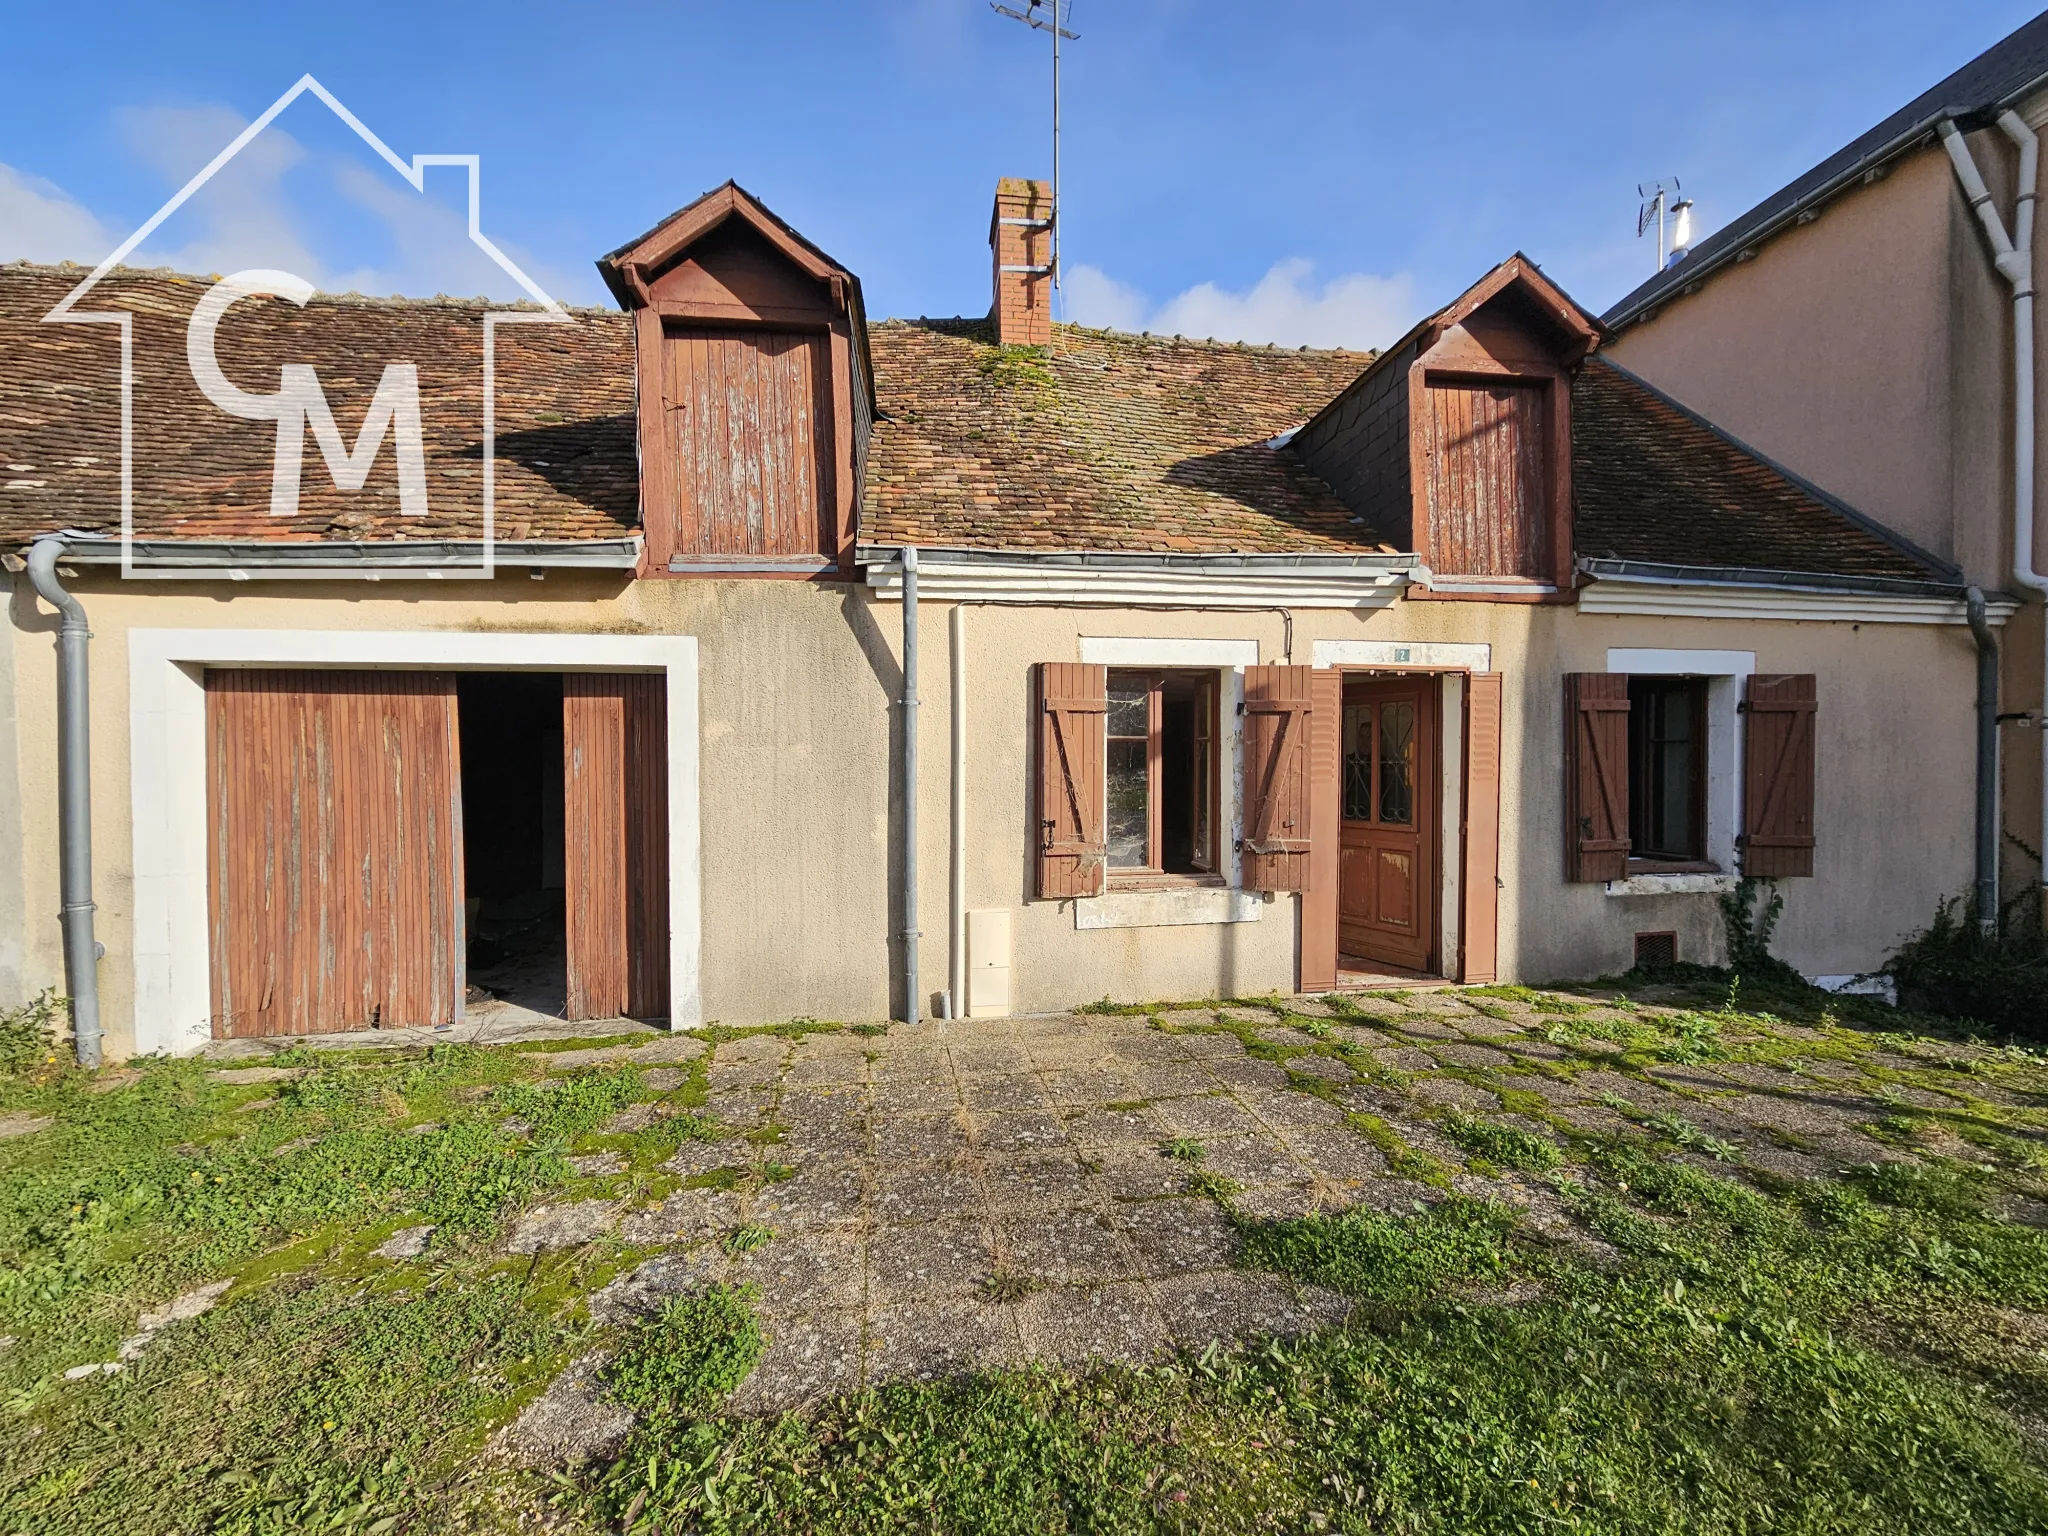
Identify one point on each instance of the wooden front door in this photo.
(334, 858)
(1387, 871)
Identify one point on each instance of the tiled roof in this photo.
(564, 456)
(1998, 76)
(1653, 481)
(1113, 442)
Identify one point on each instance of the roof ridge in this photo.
(2010, 68)
(1076, 328)
(70, 270)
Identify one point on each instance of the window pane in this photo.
(1130, 707)
(1129, 810)
(1397, 763)
(1666, 760)
(1358, 762)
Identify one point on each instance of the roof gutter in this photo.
(1126, 560)
(1696, 267)
(1657, 573)
(431, 558)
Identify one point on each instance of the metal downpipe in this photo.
(909, 850)
(1987, 763)
(2013, 256)
(74, 800)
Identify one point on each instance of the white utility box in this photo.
(988, 964)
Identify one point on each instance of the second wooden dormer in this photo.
(1457, 441)
(754, 392)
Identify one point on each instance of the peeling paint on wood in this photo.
(750, 436)
(335, 851)
(615, 773)
(1487, 503)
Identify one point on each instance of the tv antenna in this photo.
(1659, 199)
(1049, 16)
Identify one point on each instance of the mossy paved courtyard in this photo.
(1625, 1258)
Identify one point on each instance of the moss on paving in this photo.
(1720, 1349)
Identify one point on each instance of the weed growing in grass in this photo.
(1504, 1144)
(1214, 1186)
(28, 1035)
(1942, 1189)
(1401, 1158)
(1006, 1286)
(689, 1357)
(1380, 1258)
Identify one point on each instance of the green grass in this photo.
(688, 1358)
(1708, 1348)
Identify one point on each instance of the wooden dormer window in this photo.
(754, 393)
(1490, 435)
(1489, 477)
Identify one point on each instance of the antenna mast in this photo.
(1659, 199)
(1049, 16)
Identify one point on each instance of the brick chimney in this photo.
(1020, 236)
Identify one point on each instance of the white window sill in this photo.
(1170, 908)
(1672, 885)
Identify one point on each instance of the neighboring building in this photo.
(1854, 327)
(1243, 669)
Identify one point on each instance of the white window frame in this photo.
(167, 772)
(1725, 673)
(1147, 909)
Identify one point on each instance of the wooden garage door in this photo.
(335, 851)
(615, 774)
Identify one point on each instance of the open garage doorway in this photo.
(385, 846)
(512, 838)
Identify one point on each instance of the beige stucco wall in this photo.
(1893, 811)
(797, 691)
(1871, 351)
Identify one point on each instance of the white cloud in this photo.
(276, 204)
(243, 216)
(40, 221)
(1093, 297)
(1286, 306)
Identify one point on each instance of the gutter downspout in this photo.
(74, 800)
(956, 926)
(909, 850)
(2015, 263)
(1987, 763)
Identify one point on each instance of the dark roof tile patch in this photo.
(564, 462)
(1651, 481)
(1105, 441)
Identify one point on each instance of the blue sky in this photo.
(1297, 171)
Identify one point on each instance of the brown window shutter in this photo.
(1596, 775)
(1073, 698)
(1479, 928)
(1777, 776)
(1319, 902)
(1276, 777)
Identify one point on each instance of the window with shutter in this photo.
(1276, 771)
(1778, 777)
(1596, 775)
(1072, 702)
